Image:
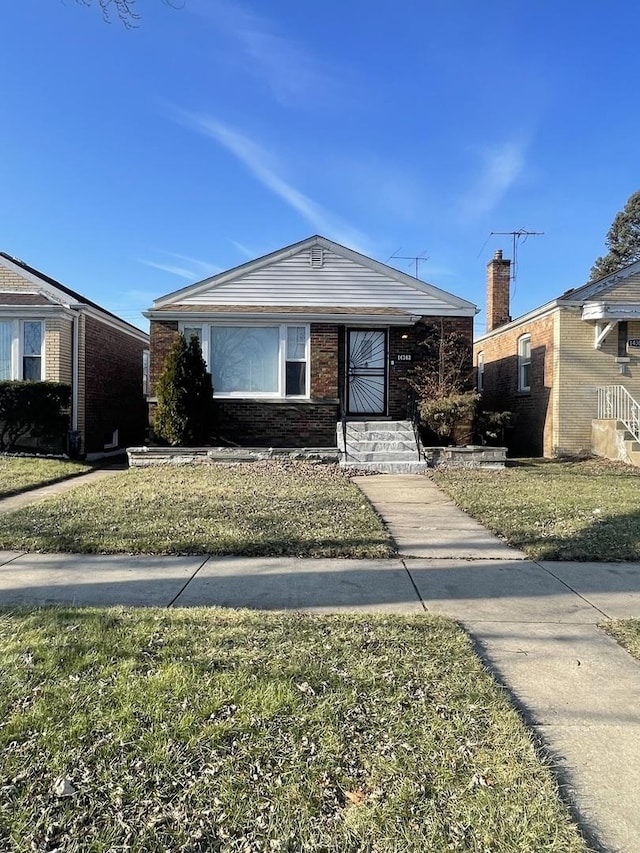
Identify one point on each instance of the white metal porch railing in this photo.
(616, 403)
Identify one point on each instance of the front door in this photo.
(366, 371)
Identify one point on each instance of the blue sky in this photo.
(137, 161)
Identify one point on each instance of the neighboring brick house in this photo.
(49, 332)
(294, 338)
(547, 365)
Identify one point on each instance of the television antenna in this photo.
(516, 236)
(417, 259)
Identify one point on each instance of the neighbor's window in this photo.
(524, 363)
(6, 345)
(480, 371)
(21, 349)
(146, 381)
(262, 361)
(32, 351)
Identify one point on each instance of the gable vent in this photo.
(317, 257)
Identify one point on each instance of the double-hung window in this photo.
(296, 362)
(524, 363)
(21, 344)
(255, 360)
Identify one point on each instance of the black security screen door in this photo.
(367, 371)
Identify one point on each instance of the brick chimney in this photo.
(498, 284)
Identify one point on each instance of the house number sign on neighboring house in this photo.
(633, 343)
(407, 357)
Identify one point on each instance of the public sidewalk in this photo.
(534, 623)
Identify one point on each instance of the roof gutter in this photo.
(285, 317)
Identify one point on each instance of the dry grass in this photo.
(253, 509)
(627, 633)
(237, 732)
(555, 510)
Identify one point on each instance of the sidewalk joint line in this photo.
(413, 584)
(468, 559)
(574, 591)
(13, 559)
(186, 584)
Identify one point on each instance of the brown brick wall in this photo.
(324, 361)
(411, 340)
(162, 333)
(286, 424)
(498, 286)
(532, 434)
(112, 386)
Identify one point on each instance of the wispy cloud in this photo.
(264, 167)
(244, 250)
(191, 268)
(290, 69)
(501, 167)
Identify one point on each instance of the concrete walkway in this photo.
(33, 495)
(534, 623)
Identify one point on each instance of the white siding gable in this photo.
(341, 280)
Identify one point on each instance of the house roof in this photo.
(600, 285)
(75, 298)
(286, 278)
(573, 297)
(23, 299)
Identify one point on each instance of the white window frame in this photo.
(17, 346)
(524, 362)
(480, 372)
(282, 358)
(146, 372)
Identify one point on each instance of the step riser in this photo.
(380, 456)
(381, 435)
(384, 426)
(375, 446)
(390, 467)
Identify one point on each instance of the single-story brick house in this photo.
(548, 365)
(295, 338)
(51, 333)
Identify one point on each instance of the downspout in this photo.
(75, 371)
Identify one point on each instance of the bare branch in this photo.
(125, 10)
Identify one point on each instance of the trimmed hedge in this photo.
(35, 410)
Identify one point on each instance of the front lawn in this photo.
(627, 633)
(232, 732)
(255, 509)
(19, 473)
(555, 510)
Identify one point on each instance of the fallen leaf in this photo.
(356, 798)
(479, 780)
(63, 787)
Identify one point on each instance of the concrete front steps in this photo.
(611, 439)
(387, 447)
